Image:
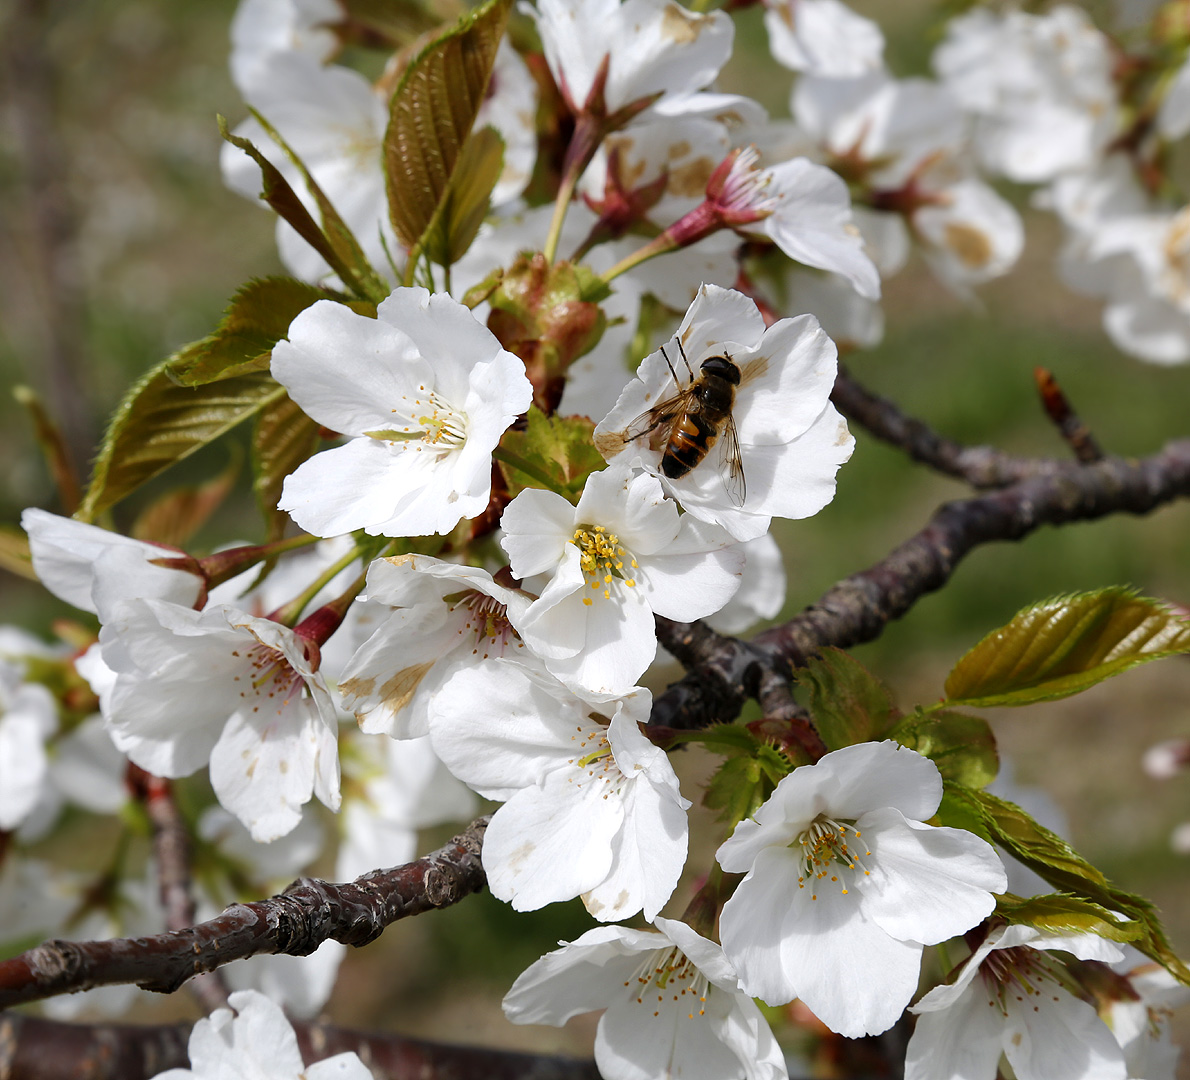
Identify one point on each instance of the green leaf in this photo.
(556, 452)
(431, 116)
(256, 319)
(363, 280)
(14, 552)
(1065, 645)
(1007, 825)
(177, 515)
(848, 703)
(741, 784)
(468, 195)
(159, 423)
(962, 746)
(1058, 913)
(284, 200)
(282, 439)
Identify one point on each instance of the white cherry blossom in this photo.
(592, 808)
(510, 106)
(90, 567)
(1041, 86)
(261, 28)
(823, 37)
(673, 1005)
(28, 717)
(761, 594)
(445, 616)
(1012, 998)
(791, 439)
(1141, 1021)
(652, 47)
(845, 884)
(613, 561)
(424, 393)
(253, 1038)
(264, 719)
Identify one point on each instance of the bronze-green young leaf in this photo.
(468, 196)
(282, 439)
(363, 280)
(1046, 853)
(962, 746)
(256, 319)
(1057, 913)
(276, 191)
(848, 703)
(554, 452)
(159, 423)
(431, 116)
(1064, 645)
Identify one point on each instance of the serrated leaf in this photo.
(282, 439)
(962, 746)
(1046, 853)
(276, 191)
(256, 319)
(848, 703)
(177, 515)
(729, 739)
(1065, 645)
(1059, 913)
(431, 116)
(159, 423)
(553, 451)
(467, 198)
(741, 784)
(364, 281)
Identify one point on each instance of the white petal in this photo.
(926, 884)
(551, 843)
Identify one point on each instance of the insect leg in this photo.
(671, 367)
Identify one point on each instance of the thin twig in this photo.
(171, 852)
(294, 922)
(1058, 408)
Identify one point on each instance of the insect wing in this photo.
(731, 465)
(664, 414)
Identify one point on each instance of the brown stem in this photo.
(1058, 408)
(171, 852)
(858, 608)
(295, 922)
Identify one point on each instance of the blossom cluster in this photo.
(467, 601)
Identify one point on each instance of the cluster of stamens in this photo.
(669, 972)
(486, 620)
(432, 423)
(271, 677)
(1022, 973)
(594, 758)
(826, 848)
(602, 559)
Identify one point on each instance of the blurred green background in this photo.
(118, 243)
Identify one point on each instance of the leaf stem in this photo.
(291, 612)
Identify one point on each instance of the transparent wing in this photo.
(731, 466)
(662, 416)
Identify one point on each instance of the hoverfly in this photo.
(696, 418)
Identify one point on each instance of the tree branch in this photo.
(858, 608)
(35, 1049)
(983, 467)
(295, 922)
